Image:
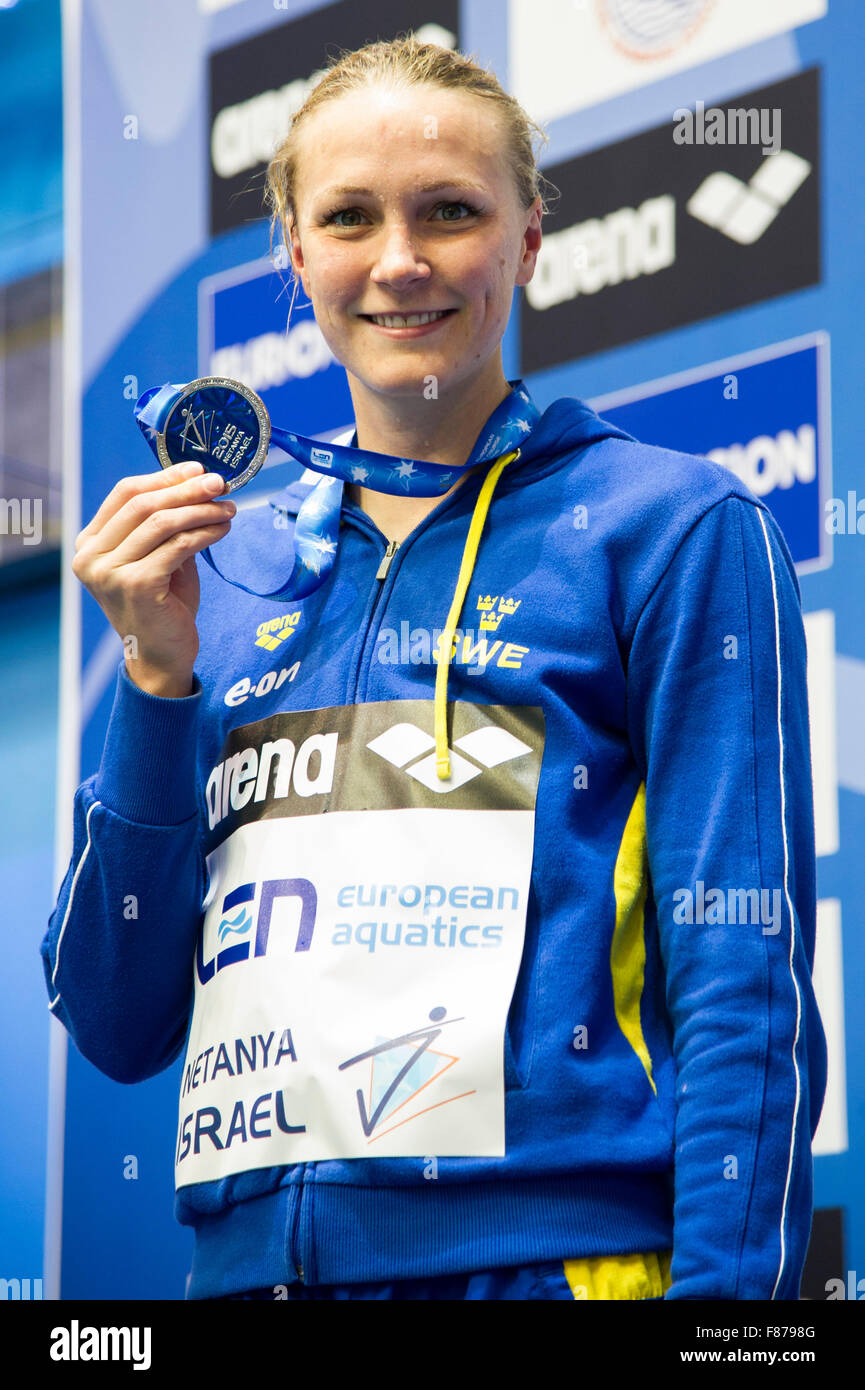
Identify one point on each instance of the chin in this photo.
(409, 380)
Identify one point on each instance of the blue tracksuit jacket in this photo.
(663, 1058)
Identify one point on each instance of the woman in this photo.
(500, 820)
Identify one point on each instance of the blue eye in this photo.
(472, 211)
(340, 212)
(331, 217)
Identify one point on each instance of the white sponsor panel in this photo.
(604, 47)
(831, 1135)
(352, 998)
(820, 639)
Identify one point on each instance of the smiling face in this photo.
(405, 203)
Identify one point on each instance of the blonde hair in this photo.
(406, 61)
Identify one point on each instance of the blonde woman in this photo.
(469, 824)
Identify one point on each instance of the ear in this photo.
(297, 261)
(531, 244)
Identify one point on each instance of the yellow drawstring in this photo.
(467, 564)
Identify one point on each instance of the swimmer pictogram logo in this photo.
(403, 744)
(401, 1071)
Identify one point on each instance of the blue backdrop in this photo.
(163, 298)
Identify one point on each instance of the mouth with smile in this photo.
(408, 324)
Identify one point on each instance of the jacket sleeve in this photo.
(719, 722)
(120, 942)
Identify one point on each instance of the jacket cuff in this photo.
(148, 768)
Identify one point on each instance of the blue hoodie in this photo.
(627, 696)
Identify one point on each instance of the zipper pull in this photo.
(392, 548)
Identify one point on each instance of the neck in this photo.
(440, 430)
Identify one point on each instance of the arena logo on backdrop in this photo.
(764, 416)
(744, 211)
(651, 233)
(257, 85)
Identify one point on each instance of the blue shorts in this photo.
(640, 1276)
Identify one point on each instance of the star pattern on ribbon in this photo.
(318, 518)
(325, 546)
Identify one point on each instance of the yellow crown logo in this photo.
(490, 621)
(486, 604)
(509, 605)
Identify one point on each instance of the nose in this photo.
(399, 261)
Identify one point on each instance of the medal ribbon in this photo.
(316, 535)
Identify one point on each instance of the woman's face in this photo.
(405, 203)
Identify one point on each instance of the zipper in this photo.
(295, 1233)
(367, 525)
(381, 576)
(392, 548)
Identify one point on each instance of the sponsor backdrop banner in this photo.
(697, 217)
(775, 440)
(683, 285)
(256, 86)
(242, 333)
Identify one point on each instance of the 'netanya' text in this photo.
(237, 1057)
(251, 1120)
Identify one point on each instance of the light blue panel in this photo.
(29, 632)
(31, 143)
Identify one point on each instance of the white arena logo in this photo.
(770, 461)
(402, 743)
(271, 773)
(247, 134)
(743, 211)
(587, 257)
(272, 359)
(652, 28)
